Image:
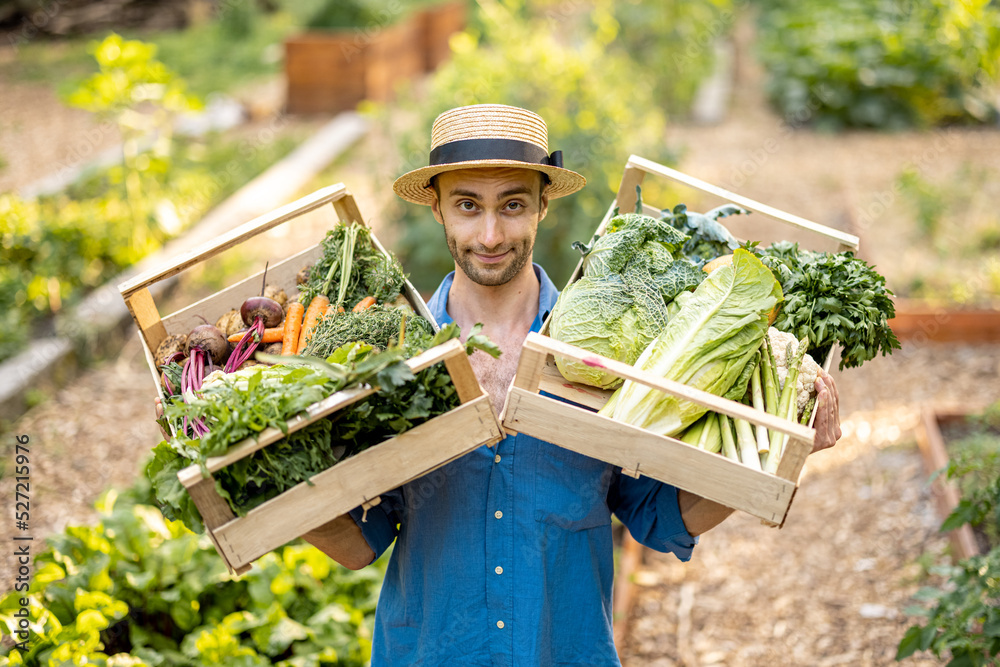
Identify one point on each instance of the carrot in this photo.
(316, 310)
(364, 304)
(272, 335)
(293, 326)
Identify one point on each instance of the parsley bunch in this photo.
(833, 298)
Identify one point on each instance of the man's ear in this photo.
(436, 208)
(543, 203)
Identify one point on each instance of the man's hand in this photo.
(827, 422)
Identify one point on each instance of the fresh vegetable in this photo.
(272, 335)
(364, 304)
(265, 309)
(293, 327)
(787, 407)
(620, 303)
(314, 313)
(208, 339)
(607, 316)
(168, 347)
(786, 347)
(351, 268)
(833, 298)
(707, 238)
(230, 323)
(378, 326)
(708, 344)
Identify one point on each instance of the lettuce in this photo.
(708, 344)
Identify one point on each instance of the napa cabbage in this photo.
(707, 344)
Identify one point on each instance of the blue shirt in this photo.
(504, 556)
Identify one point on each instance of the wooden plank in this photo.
(348, 211)
(632, 177)
(359, 479)
(213, 307)
(236, 236)
(463, 377)
(635, 162)
(341, 399)
(545, 345)
(703, 473)
(140, 303)
(529, 367)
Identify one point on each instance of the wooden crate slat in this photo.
(147, 317)
(626, 199)
(703, 473)
(236, 236)
(343, 487)
(552, 382)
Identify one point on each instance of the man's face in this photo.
(490, 219)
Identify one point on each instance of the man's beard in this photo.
(491, 277)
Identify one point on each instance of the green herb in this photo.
(833, 298)
(351, 268)
(377, 326)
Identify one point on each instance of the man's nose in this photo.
(491, 235)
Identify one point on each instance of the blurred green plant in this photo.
(141, 96)
(597, 104)
(367, 14)
(885, 64)
(135, 589)
(677, 38)
(928, 200)
(963, 622)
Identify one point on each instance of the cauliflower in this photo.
(805, 388)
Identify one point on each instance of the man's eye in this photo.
(466, 205)
(515, 205)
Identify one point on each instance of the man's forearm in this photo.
(700, 515)
(341, 540)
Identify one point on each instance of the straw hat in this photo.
(488, 135)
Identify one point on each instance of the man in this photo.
(508, 559)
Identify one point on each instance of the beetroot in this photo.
(262, 307)
(210, 340)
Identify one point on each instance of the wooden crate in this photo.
(357, 480)
(571, 422)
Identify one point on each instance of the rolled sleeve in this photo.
(650, 511)
(379, 524)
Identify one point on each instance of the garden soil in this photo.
(831, 586)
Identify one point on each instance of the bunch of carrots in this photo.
(300, 322)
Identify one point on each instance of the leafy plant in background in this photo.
(141, 95)
(597, 104)
(134, 589)
(964, 621)
(886, 64)
(677, 38)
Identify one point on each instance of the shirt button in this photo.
(498, 514)
(500, 624)
(496, 459)
(498, 570)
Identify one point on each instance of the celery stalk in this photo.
(787, 406)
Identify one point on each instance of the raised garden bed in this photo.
(922, 322)
(937, 428)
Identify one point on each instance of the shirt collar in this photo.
(547, 296)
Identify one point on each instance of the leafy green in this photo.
(378, 326)
(707, 237)
(833, 298)
(144, 590)
(708, 345)
(370, 272)
(620, 303)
